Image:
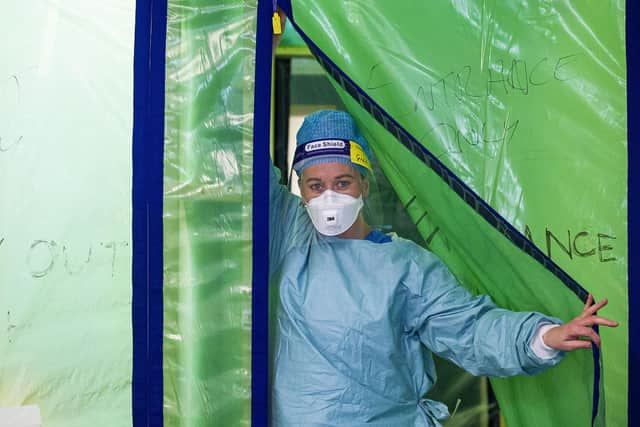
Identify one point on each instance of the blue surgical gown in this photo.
(354, 324)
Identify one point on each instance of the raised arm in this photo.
(288, 222)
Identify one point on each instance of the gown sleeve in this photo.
(470, 331)
(288, 221)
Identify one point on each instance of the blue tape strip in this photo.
(147, 193)
(597, 361)
(285, 5)
(452, 180)
(633, 188)
(260, 262)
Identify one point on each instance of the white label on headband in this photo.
(321, 145)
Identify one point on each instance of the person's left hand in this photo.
(579, 333)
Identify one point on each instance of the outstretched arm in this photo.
(471, 331)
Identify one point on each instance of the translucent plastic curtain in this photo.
(66, 79)
(207, 212)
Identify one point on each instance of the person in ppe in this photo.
(357, 313)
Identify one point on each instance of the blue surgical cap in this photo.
(327, 136)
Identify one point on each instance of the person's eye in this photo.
(343, 185)
(315, 187)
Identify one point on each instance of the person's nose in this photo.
(330, 195)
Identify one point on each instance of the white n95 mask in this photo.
(333, 213)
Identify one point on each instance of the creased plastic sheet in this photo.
(525, 102)
(207, 213)
(66, 79)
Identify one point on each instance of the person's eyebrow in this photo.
(346, 175)
(312, 179)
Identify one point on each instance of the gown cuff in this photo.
(538, 346)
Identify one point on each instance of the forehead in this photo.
(329, 171)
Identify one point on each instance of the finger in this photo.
(597, 320)
(589, 334)
(595, 307)
(576, 344)
(589, 302)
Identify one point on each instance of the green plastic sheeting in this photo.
(525, 102)
(66, 111)
(207, 213)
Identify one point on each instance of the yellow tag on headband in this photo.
(358, 156)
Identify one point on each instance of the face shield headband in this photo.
(330, 150)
